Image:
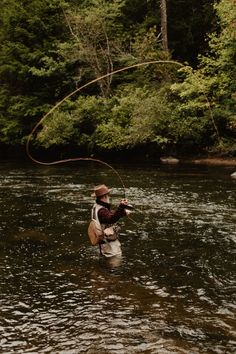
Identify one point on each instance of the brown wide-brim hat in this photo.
(100, 190)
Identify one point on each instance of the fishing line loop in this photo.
(73, 93)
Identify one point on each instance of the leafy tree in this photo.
(97, 36)
(76, 123)
(132, 117)
(207, 93)
(31, 71)
(48, 46)
(102, 41)
(93, 51)
(137, 118)
(188, 23)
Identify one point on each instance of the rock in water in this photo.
(233, 175)
(170, 160)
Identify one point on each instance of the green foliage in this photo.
(97, 43)
(197, 111)
(31, 71)
(49, 47)
(57, 131)
(138, 118)
(76, 123)
(206, 94)
(132, 117)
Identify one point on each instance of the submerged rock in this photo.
(233, 175)
(29, 236)
(169, 160)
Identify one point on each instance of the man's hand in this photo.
(124, 202)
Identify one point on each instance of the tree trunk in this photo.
(164, 25)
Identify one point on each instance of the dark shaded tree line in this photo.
(51, 47)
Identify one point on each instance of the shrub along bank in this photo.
(49, 47)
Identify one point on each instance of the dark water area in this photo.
(174, 291)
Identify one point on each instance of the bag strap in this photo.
(94, 216)
(94, 212)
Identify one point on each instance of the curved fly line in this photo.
(72, 94)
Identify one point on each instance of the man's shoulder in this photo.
(102, 209)
(104, 212)
(98, 206)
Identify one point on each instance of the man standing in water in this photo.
(110, 245)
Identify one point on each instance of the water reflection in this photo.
(173, 292)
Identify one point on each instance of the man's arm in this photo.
(111, 216)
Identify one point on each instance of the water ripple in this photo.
(174, 291)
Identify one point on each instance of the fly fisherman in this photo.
(109, 245)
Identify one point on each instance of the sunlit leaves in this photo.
(207, 92)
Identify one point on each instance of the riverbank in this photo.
(210, 161)
(131, 156)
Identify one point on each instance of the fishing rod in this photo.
(57, 105)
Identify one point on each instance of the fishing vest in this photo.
(100, 233)
(95, 229)
(109, 231)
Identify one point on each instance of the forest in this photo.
(183, 103)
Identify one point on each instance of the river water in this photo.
(174, 291)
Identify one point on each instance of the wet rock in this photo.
(169, 160)
(233, 175)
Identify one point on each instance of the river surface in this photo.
(174, 291)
